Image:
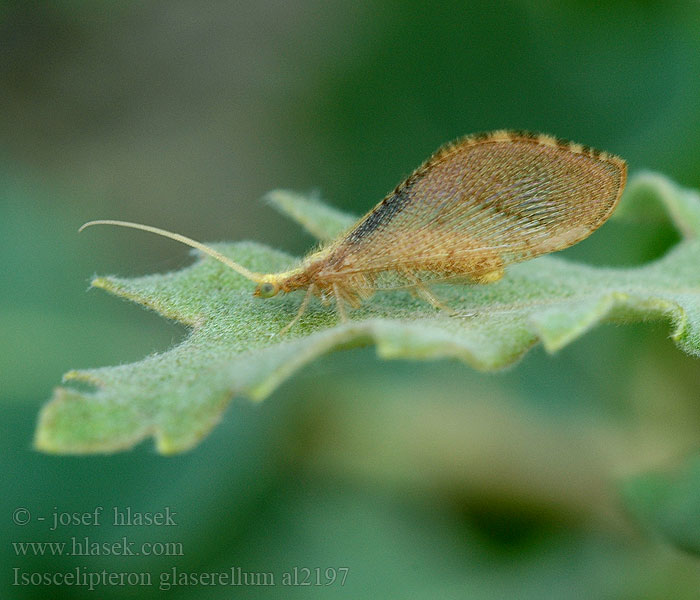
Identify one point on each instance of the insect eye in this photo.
(267, 290)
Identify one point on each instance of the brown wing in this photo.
(482, 203)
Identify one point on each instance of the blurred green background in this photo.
(425, 480)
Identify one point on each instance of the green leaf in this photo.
(234, 347)
(669, 504)
(323, 222)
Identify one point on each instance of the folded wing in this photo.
(482, 203)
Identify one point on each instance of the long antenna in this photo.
(256, 277)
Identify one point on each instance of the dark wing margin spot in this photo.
(480, 136)
(381, 215)
(522, 134)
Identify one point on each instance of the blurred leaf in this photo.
(178, 396)
(323, 222)
(669, 503)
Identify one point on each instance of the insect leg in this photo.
(339, 304)
(300, 312)
(423, 291)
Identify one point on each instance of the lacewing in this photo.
(475, 206)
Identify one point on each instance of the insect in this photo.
(475, 206)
